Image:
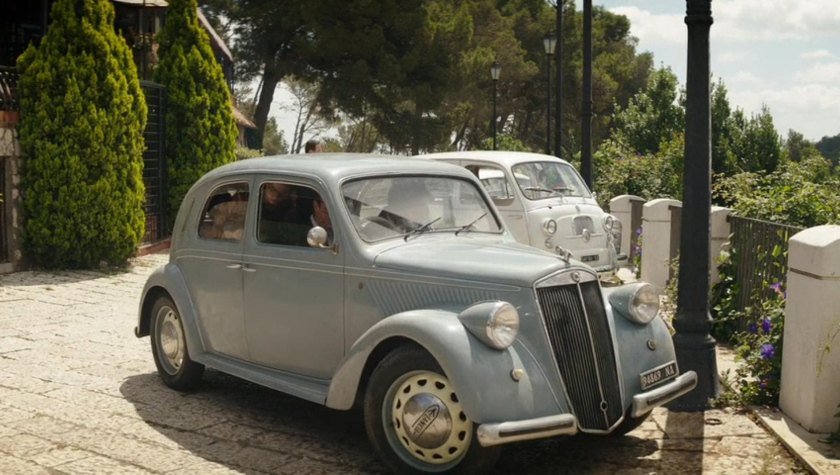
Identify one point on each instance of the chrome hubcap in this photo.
(171, 340)
(428, 420)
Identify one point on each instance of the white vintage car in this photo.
(545, 204)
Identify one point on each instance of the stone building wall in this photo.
(11, 256)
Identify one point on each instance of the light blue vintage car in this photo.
(392, 285)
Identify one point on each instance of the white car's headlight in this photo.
(549, 226)
(638, 302)
(495, 323)
(608, 222)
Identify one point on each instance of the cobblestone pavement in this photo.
(79, 394)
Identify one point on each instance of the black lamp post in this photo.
(495, 71)
(549, 42)
(693, 342)
(586, 113)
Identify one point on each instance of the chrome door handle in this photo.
(234, 266)
(248, 269)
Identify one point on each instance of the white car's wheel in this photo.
(416, 421)
(169, 347)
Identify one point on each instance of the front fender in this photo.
(169, 280)
(480, 375)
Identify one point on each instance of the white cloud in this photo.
(730, 56)
(810, 109)
(822, 73)
(817, 54)
(775, 19)
(743, 77)
(653, 28)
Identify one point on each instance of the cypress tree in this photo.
(82, 120)
(199, 124)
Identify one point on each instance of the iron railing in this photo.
(760, 256)
(8, 88)
(154, 162)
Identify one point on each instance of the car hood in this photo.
(567, 206)
(483, 260)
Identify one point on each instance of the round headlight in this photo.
(644, 304)
(502, 325)
(608, 222)
(549, 226)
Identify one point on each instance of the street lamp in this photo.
(495, 71)
(549, 43)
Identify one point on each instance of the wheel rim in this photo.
(171, 340)
(425, 422)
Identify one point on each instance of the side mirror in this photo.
(317, 237)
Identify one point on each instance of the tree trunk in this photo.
(269, 84)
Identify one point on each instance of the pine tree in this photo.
(199, 124)
(82, 120)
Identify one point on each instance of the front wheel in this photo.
(415, 421)
(169, 347)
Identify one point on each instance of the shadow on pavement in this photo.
(251, 428)
(682, 445)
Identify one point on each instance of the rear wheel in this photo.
(169, 347)
(415, 420)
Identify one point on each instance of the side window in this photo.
(223, 217)
(287, 212)
(494, 181)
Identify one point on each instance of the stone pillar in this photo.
(810, 386)
(656, 241)
(622, 208)
(719, 238)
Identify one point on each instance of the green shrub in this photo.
(200, 128)
(244, 152)
(82, 120)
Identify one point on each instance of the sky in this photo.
(784, 54)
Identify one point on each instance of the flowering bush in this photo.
(760, 349)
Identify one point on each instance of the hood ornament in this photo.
(563, 254)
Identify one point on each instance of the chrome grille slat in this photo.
(583, 352)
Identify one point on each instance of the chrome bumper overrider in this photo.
(513, 431)
(645, 402)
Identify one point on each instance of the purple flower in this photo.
(765, 325)
(752, 328)
(763, 384)
(638, 231)
(768, 351)
(777, 287)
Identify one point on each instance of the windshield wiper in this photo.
(421, 229)
(469, 226)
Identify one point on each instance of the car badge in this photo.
(587, 235)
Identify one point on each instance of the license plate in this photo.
(658, 375)
(591, 258)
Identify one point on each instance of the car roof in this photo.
(503, 157)
(334, 167)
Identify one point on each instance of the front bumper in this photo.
(513, 431)
(645, 402)
(497, 433)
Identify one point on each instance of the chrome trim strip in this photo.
(514, 431)
(594, 356)
(645, 402)
(564, 277)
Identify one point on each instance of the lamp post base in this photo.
(696, 352)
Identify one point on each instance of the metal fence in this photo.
(760, 256)
(154, 162)
(8, 85)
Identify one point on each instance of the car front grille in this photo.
(580, 338)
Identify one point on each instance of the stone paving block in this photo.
(8, 431)
(47, 427)
(59, 456)
(15, 466)
(99, 464)
(22, 445)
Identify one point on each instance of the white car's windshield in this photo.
(385, 207)
(549, 180)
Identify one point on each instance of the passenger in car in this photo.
(321, 217)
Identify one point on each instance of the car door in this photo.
(212, 267)
(293, 294)
(502, 190)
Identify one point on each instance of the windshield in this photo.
(549, 180)
(385, 207)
